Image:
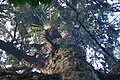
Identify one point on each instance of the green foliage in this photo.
(32, 2)
(3, 11)
(36, 27)
(93, 14)
(3, 16)
(45, 1)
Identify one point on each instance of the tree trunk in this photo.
(70, 62)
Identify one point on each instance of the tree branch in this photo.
(16, 26)
(12, 75)
(20, 55)
(77, 18)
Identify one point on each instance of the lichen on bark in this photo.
(70, 63)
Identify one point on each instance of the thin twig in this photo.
(81, 24)
(15, 30)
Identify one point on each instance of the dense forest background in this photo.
(59, 40)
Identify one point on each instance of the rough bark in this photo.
(11, 75)
(19, 54)
(69, 63)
